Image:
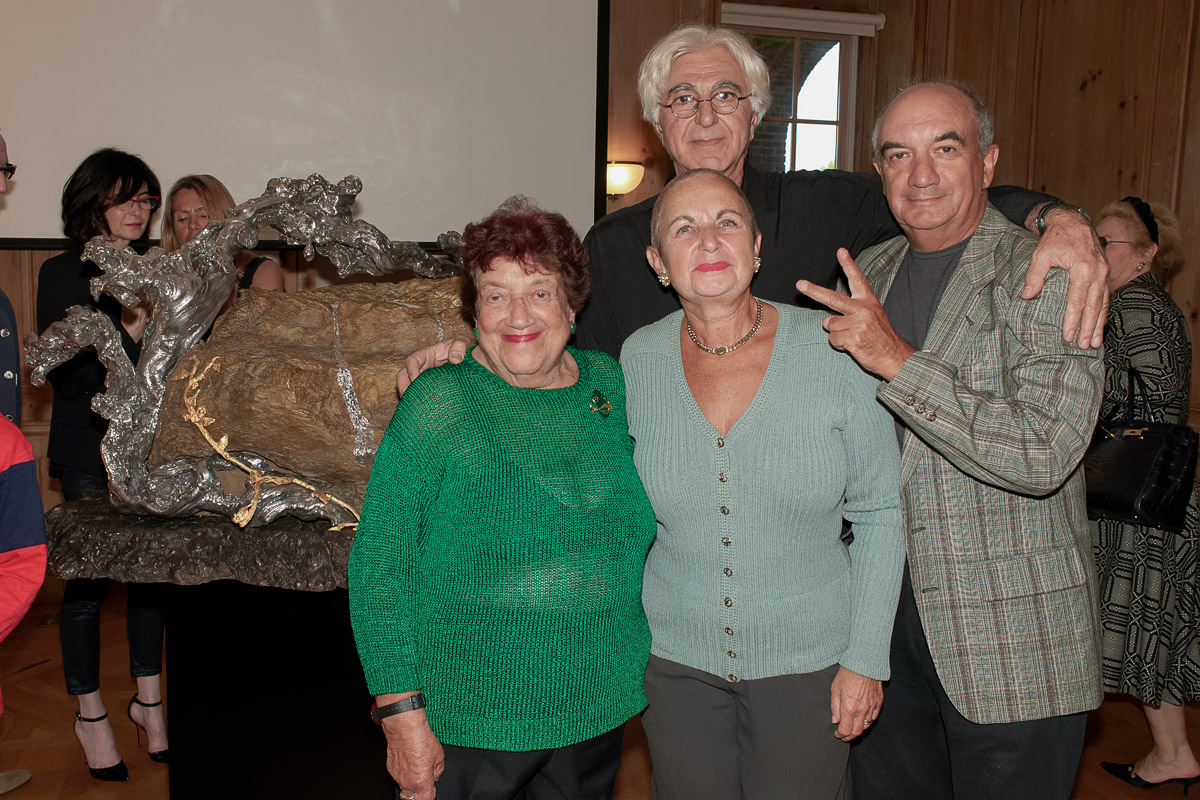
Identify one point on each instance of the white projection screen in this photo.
(442, 107)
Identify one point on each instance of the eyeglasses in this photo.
(9, 169)
(722, 102)
(149, 202)
(1104, 243)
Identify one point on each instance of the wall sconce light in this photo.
(624, 177)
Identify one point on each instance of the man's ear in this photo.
(658, 131)
(989, 164)
(878, 167)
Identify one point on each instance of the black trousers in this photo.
(79, 625)
(583, 771)
(922, 748)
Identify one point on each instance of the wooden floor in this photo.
(36, 729)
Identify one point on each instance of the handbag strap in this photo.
(1135, 381)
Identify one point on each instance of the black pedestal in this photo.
(267, 697)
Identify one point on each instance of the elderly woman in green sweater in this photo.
(754, 440)
(495, 580)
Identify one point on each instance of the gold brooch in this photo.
(600, 404)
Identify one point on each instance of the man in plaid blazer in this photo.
(995, 650)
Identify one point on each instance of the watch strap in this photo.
(1039, 221)
(380, 713)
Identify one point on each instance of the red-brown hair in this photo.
(538, 240)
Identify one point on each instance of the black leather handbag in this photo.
(1140, 471)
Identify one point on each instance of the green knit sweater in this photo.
(498, 562)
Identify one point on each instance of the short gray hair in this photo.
(985, 123)
(656, 66)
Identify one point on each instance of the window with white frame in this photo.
(812, 58)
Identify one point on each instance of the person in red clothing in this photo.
(22, 529)
(22, 545)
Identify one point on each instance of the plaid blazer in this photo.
(999, 412)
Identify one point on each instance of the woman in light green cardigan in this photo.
(754, 440)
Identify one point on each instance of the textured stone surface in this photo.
(88, 539)
(277, 391)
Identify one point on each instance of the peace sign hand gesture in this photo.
(862, 328)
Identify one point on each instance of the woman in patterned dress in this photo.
(1148, 576)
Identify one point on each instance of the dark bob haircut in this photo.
(536, 239)
(89, 192)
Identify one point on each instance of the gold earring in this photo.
(1141, 266)
(664, 279)
(757, 264)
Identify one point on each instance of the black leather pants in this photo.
(79, 631)
(79, 625)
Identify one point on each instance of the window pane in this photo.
(780, 54)
(820, 60)
(816, 147)
(769, 148)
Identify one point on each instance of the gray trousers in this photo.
(764, 739)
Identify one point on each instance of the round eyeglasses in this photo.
(149, 202)
(722, 102)
(1105, 242)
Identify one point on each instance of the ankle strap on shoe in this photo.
(82, 718)
(146, 705)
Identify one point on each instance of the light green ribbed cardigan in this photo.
(749, 576)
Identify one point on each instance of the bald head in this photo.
(685, 184)
(985, 124)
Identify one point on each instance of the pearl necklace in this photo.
(720, 351)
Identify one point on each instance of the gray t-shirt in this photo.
(915, 295)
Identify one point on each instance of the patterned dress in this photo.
(1148, 576)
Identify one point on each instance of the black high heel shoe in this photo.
(1125, 772)
(117, 772)
(159, 756)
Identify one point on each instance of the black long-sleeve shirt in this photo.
(75, 430)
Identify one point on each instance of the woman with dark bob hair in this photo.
(111, 194)
(495, 580)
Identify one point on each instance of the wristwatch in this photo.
(1039, 221)
(380, 713)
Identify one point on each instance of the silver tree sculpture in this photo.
(186, 291)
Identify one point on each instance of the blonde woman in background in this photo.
(193, 202)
